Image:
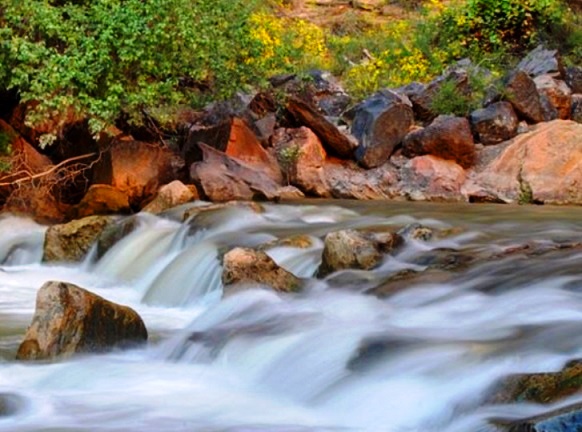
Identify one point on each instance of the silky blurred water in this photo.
(332, 358)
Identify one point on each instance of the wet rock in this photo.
(576, 113)
(171, 195)
(102, 200)
(335, 141)
(249, 266)
(10, 404)
(71, 241)
(70, 320)
(306, 169)
(573, 78)
(348, 180)
(522, 93)
(557, 95)
(494, 124)
(136, 168)
(209, 212)
(379, 124)
(448, 138)
(429, 178)
(541, 61)
(351, 249)
(561, 420)
(416, 231)
(541, 166)
(446, 259)
(224, 178)
(115, 232)
(290, 193)
(539, 387)
(300, 241)
(405, 279)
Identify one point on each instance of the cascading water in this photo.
(332, 358)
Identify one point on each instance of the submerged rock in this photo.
(69, 320)
(561, 420)
(10, 404)
(351, 249)
(71, 241)
(250, 266)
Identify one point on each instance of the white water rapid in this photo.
(332, 358)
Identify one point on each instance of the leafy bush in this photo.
(103, 58)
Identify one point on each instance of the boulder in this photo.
(303, 157)
(576, 113)
(541, 61)
(565, 419)
(224, 178)
(249, 266)
(379, 124)
(335, 140)
(447, 137)
(215, 135)
(522, 93)
(70, 320)
(71, 241)
(573, 78)
(136, 168)
(556, 95)
(430, 178)
(494, 124)
(102, 199)
(351, 249)
(171, 195)
(347, 180)
(541, 166)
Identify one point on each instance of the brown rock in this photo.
(494, 124)
(379, 124)
(26, 156)
(334, 140)
(249, 266)
(223, 178)
(557, 94)
(448, 137)
(215, 135)
(72, 241)
(70, 320)
(432, 179)
(136, 168)
(306, 171)
(102, 200)
(523, 95)
(351, 249)
(543, 166)
(171, 195)
(573, 78)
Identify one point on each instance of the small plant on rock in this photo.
(288, 157)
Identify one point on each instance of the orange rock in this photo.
(544, 165)
(102, 199)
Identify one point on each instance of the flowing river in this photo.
(258, 361)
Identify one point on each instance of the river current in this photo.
(259, 361)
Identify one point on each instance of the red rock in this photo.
(136, 168)
(432, 179)
(306, 171)
(224, 178)
(244, 145)
(523, 95)
(447, 137)
(544, 165)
